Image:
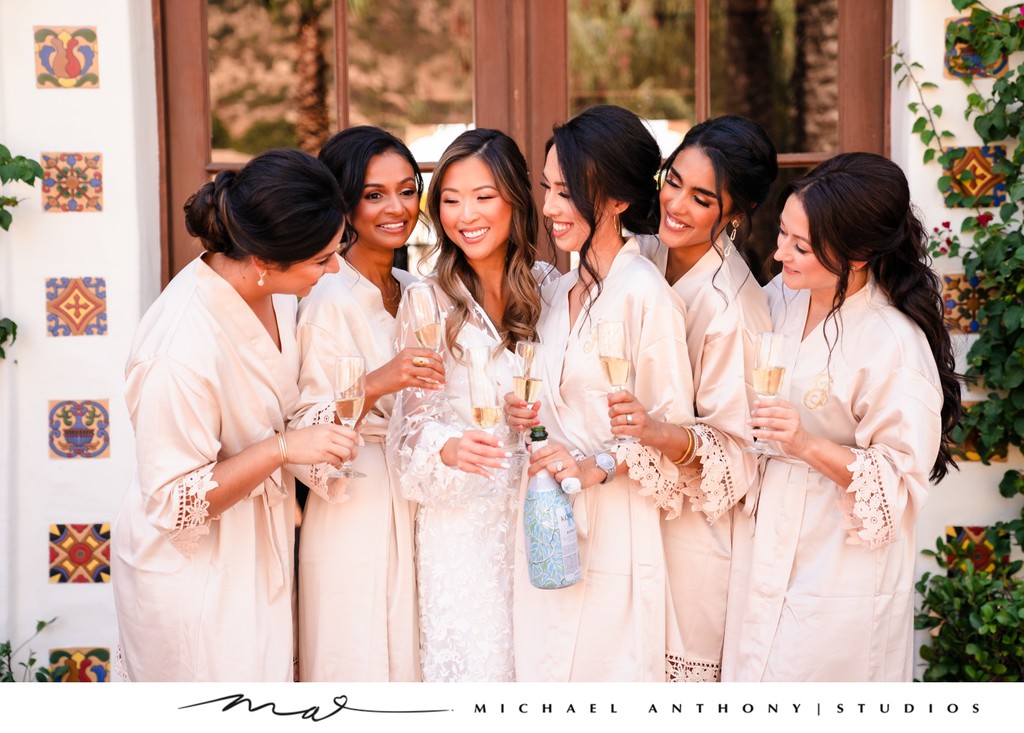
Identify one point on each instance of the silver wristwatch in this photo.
(606, 462)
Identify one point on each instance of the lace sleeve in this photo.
(657, 476)
(192, 521)
(316, 476)
(715, 490)
(868, 518)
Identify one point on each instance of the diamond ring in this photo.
(558, 467)
(629, 418)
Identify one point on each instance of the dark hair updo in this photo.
(348, 153)
(744, 160)
(283, 206)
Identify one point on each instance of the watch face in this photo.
(605, 461)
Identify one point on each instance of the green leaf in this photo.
(919, 125)
(929, 154)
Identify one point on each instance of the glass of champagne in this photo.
(426, 318)
(483, 392)
(769, 369)
(525, 385)
(613, 349)
(349, 392)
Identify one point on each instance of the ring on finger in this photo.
(420, 361)
(629, 418)
(559, 467)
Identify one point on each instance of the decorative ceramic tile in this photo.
(968, 449)
(961, 299)
(79, 429)
(67, 57)
(76, 306)
(963, 62)
(80, 665)
(79, 553)
(983, 556)
(72, 182)
(985, 182)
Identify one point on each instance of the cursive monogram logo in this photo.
(817, 396)
(313, 713)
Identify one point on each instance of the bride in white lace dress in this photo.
(464, 479)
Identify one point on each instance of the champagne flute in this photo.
(613, 349)
(769, 369)
(524, 384)
(483, 392)
(426, 318)
(349, 393)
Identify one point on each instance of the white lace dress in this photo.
(822, 586)
(465, 524)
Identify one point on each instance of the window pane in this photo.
(271, 77)
(760, 245)
(638, 54)
(777, 62)
(410, 68)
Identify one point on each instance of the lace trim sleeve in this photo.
(658, 481)
(425, 478)
(315, 476)
(680, 669)
(715, 492)
(192, 519)
(867, 514)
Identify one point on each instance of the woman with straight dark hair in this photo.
(357, 581)
(713, 184)
(822, 587)
(600, 180)
(485, 283)
(202, 550)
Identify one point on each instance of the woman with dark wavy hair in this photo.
(600, 183)
(486, 284)
(360, 625)
(822, 586)
(202, 550)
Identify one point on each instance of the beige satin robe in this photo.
(611, 625)
(725, 311)
(822, 587)
(357, 580)
(200, 598)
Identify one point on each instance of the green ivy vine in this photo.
(976, 617)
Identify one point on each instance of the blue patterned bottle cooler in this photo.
(551, 547)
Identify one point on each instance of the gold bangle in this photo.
(691, 448)
(282, 445)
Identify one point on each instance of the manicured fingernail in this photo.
(504, 464)
(508, 454)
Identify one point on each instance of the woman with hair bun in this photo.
(202, 549)
(357, 581)
(713, 184)
(822, 586)
(485, 282)
(600, 181)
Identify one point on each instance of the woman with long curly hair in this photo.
(822, 586)
(486, 285)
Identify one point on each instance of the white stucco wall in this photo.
(120, 244)
(971, 496)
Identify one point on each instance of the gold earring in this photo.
(263, 274)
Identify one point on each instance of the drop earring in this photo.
(735, 228)
(263, 274)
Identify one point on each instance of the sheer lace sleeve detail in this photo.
(867, 514)
(192, 519)
(425, 478)
(658, 478)
(715, 492)
(315, 476)
(680, 669)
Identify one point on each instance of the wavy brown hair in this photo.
(522, 307)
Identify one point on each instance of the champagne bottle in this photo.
(551, 547)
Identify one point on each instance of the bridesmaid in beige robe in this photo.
(357, 580)
(713, 183)
(822, 587)
(610, 626)
(202, 547)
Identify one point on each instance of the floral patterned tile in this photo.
(76, 306)
(66, 58)
(983, 556)
(83, 664)
(79, 429)
(962, 299)
(79, 553)
(984, 181)
(963, 62)
(72, 182)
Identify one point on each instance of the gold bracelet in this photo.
(282, 444)
(691, 448)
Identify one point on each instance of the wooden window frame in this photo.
(520, 85)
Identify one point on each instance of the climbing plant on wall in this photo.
(13, 168)
(976, 615)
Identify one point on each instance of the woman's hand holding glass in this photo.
(769, 371)
(613, 350)
(774, 418)
(476, 451)
(630, 419)
(325, 443)
(412, 367)
(349, 396)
